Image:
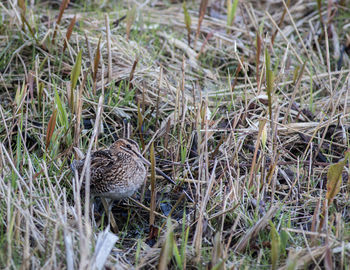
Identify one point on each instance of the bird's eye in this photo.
(128, 146)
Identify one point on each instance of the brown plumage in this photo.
(117, 172)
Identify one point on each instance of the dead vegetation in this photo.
(248, 113)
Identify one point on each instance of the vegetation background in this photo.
(244, 104)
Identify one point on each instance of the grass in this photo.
(254, 129)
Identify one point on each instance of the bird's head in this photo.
(125, 145)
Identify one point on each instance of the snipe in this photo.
(117, 172)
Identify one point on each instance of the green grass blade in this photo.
(75, 72)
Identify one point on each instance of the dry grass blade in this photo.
(140, 125)
(198, 236)
(158, 95)
(269, 82)
(304, 257)
(108, 32)
(280, 22)
(104, 245)
(253, 232)
(50, 128)
(315, 221)
(257, 146)
(238, 70)
(153, 190)
(40, 95)
(132, 72)
(209, 36)
(319, 9)
(297, 85)
(258, 53)
(202, 10)
(328, 259)
(88, 47)
(96, 64)
(69, 250)
(63, 6)
(69, 32)
(216, 257)
(22, 5)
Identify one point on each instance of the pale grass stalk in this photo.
(108, 32)
(85, 232)
(328, 60)
(9, 227)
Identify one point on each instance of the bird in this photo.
(117, 172)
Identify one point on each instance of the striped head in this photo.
(125, 145)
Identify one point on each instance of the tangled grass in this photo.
(249, 115)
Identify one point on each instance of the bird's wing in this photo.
(105, 167)
(101, 164)
(98, 158)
